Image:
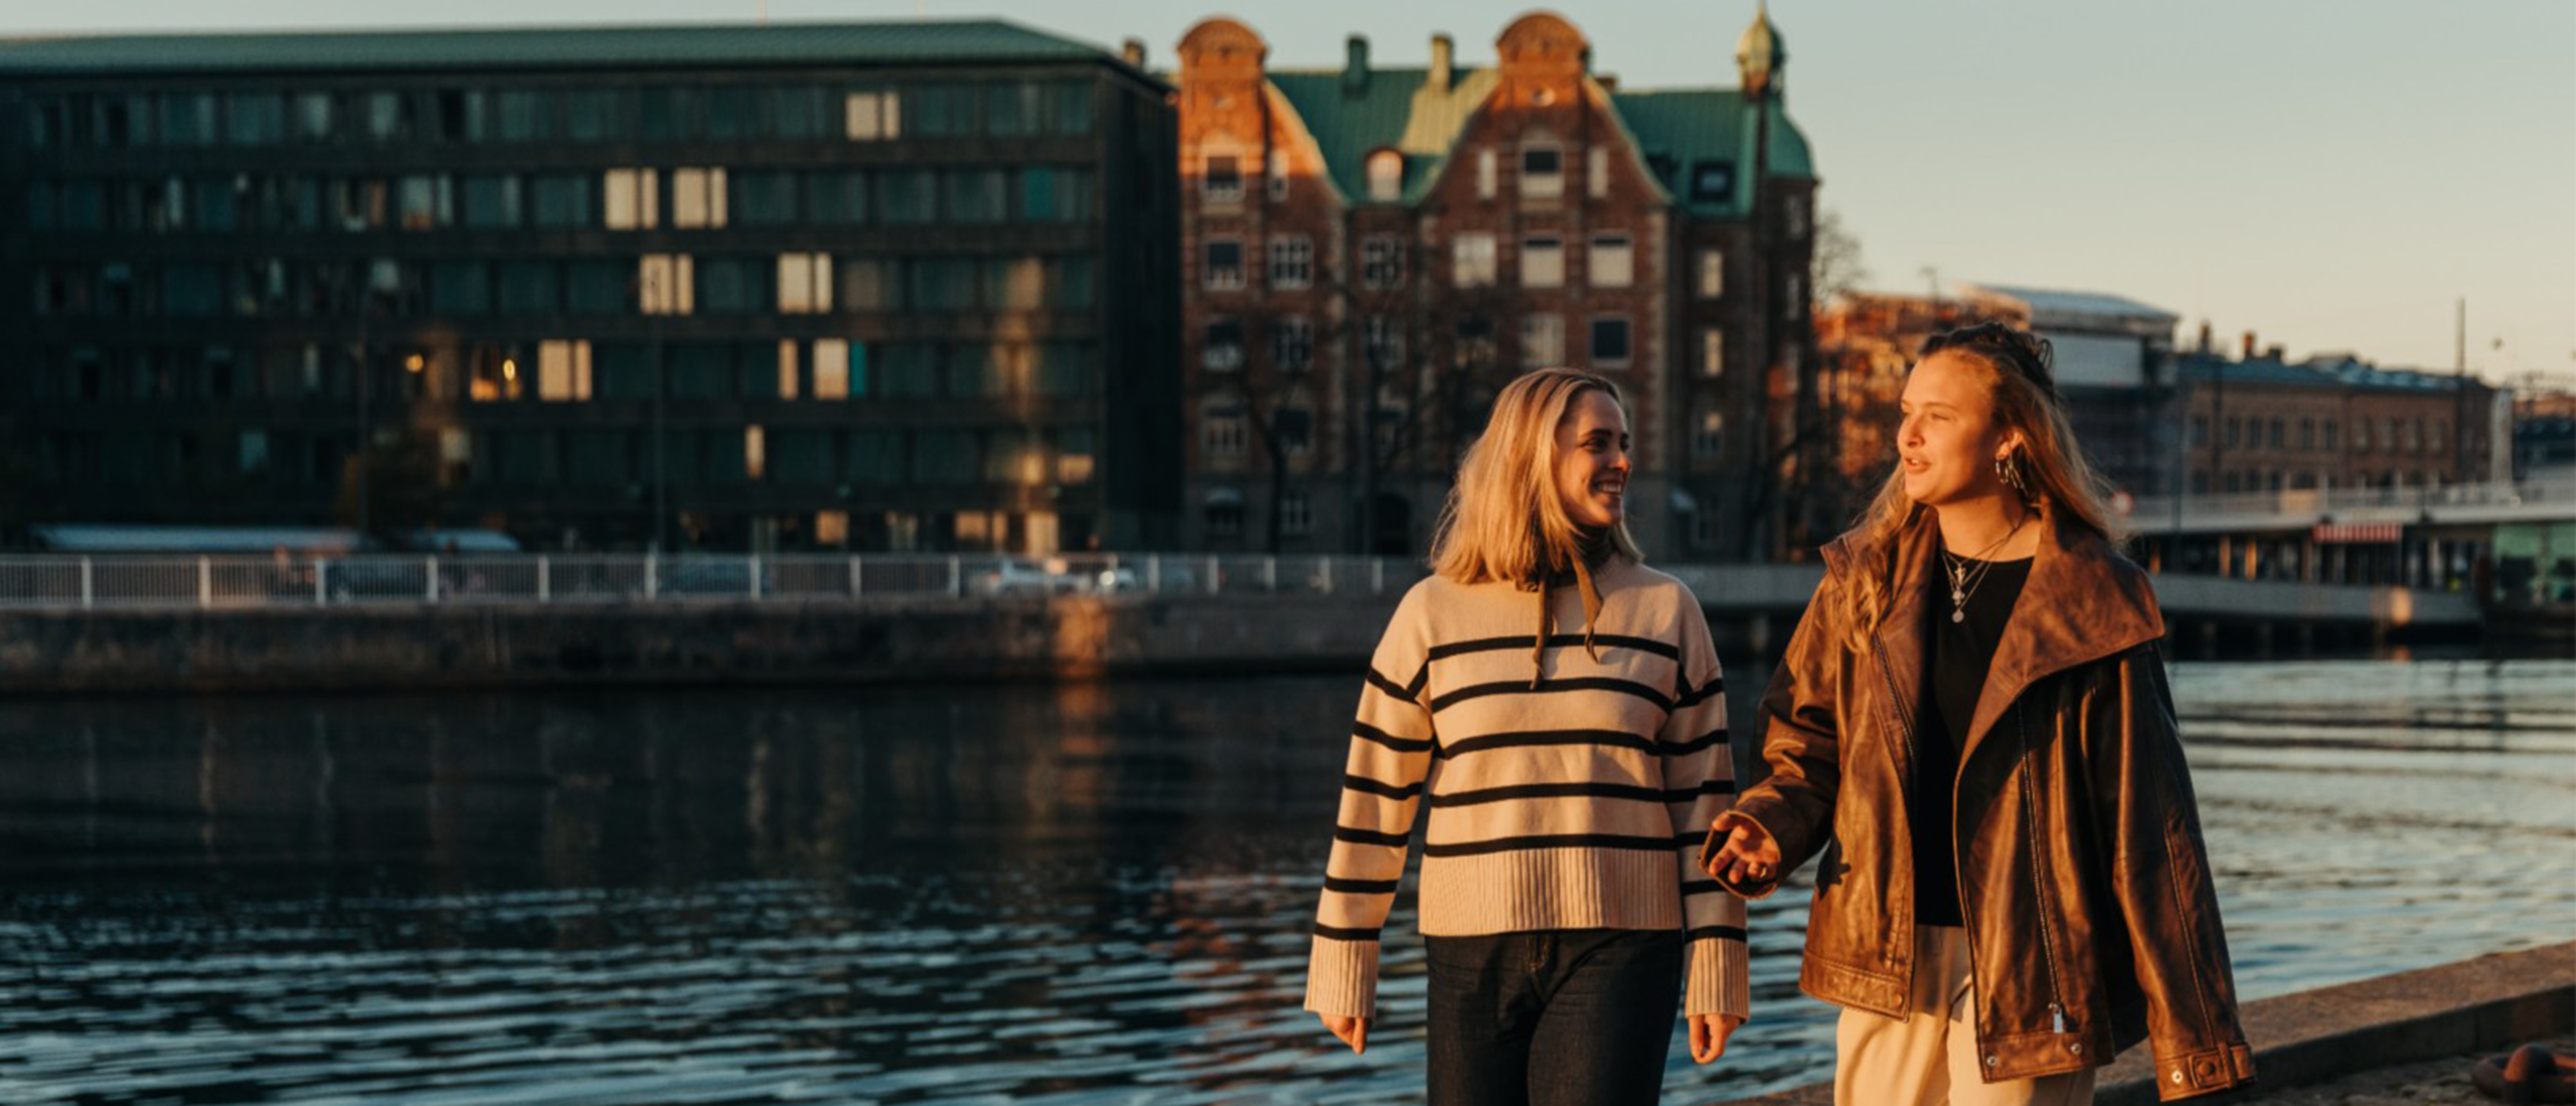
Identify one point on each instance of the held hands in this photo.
(1749, 855)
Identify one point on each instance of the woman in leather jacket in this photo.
(1972, 727)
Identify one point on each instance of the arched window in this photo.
(1385, 176)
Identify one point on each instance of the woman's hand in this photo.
(1352, 1031)
(1708, 1035)
(1750, 855)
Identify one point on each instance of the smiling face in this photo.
(1948, 442)
(1592, 459)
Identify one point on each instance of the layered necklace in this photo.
(1966, 573)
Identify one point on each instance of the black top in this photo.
(1955, 673)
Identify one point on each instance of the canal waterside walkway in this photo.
(2343, 1034)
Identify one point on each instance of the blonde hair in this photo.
(1505, 519)
(2017, 368)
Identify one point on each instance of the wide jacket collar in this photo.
(2083, 601)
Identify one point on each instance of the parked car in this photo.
(713, 577)
(367, 578)
(1018, 577)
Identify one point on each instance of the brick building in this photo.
(1370, 253)
(2264, 424)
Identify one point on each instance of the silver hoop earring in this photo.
(2010, 474)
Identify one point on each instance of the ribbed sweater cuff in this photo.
(1341, 978)
(1717, 979)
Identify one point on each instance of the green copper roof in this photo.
(714, 44)
(1681, 128)
(1400, 109)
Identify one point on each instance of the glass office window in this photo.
(944, 456)
(837, 197)
(255, 118)
(908, 196)
(1054, 195)
(1012, 110)
(866, 283)
(798, 111)
(911, 370)
(1072, 283)
(764, 198)
(939, 110)
(187, 118)
(460, 287)
(733, 112)
(531, 287)
(733, 284)
(599, 286)
(526, 116)
(492, 201)
(701, 370)
(976, 196)
(1069, 107)
(941, 284)
(561, 201)
(670, 113)
(595, 115)
(875, 457)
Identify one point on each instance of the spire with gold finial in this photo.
(1759, 55)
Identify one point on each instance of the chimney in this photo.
(1609, 82)
(1355, 71)
(1443, 52)
(2207, 342)
(2248, 355)
(2277, 352)
(1133, 51)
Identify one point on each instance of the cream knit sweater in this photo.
(1579, 803)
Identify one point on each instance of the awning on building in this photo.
(2358, 533)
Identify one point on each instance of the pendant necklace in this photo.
(1963, 579)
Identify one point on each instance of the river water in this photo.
(1083, 894)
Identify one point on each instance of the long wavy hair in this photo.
(2019, 371)
(1505, 519)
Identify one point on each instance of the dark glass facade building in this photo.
(864, 286)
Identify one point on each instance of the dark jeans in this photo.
(1566, 1017)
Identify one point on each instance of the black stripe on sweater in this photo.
(1706, 787)
(1686, 748)
(1549, 841)
(1548, 687)
(1366, 886)
(1379, 681)
(1700, 694)
(1549, 791)
(1376, 787)
(1663, 649)
(1691, 840)
(1368, 732)
(1730, 933)
(1340, 934)
(1517, 739)
(1358, 836)
(1690, 887)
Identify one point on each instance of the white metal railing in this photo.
(2150, 513)
(146, 581)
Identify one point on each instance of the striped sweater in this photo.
(1579, 803)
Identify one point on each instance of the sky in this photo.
(2334, 175)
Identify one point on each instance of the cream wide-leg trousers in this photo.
(1930, 1058)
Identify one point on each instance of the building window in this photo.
(428, 202)
(1609, 341)
(1278, 175)
(563, 370)
(1542, 340)
(1793, 296)
(1381, 261)
(1542, 262)
(2360, 434)
(1221, 178)
(632, 198)
(1222, 350)
(1223, 263)
(1613, 261)
(697, 198)
(2235, 432)
(1708, 435)
(666, 284)
(977, 195)
(2334, 432)
(1473, 263)
(1292, 344)
(561, 201)
(1712, 273)
(494, 375)
(872, 116)
(1293, 428)
(733, 285)
(1221, 431)
(1712, 351)
(1014, 283)
(1385, 176)
(1054, 195)
(2199, 433)
(1794, 212)
(1296, 515)
(2433, 436)
(764, 199)
(1485, 174)
(492, 202)
(1542, 172)
(1382, 342)
(1712, 181)
(1596, 172)
(804, 283)
(1292, 262)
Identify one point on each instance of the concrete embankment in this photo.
(885, 641)
(2315, 1036)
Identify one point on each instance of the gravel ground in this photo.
(2429, 1083)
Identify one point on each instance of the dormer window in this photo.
(1542, 172)
(1385, 176)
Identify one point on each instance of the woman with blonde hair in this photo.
(1569, 776)
(1972, 726)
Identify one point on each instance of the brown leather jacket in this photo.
(2085, 889)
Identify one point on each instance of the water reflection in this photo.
(1076, 894)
